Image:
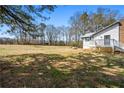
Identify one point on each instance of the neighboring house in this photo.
(111, 36)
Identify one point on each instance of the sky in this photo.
(62, 14)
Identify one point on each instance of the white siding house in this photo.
(106, 37)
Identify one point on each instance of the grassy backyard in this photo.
(58, 66)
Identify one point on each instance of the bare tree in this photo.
(51, 34)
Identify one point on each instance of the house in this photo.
(111, 36)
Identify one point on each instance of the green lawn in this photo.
(54, 66)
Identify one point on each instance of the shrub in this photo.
(76, 44)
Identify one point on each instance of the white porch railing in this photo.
(118, 44)
(114, 44)
(111, 43)
(102, 43)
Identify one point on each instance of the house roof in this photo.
(88, 34)
(91, 34)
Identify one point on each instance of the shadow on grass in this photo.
(53, 70)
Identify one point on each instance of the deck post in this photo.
(113, 48)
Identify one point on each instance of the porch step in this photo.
(118, 49)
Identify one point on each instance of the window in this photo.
(87, 38)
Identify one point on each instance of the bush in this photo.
(76, 44)
(61, 43)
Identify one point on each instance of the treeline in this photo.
(7, 41)
(43, 35)
(79, 24)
